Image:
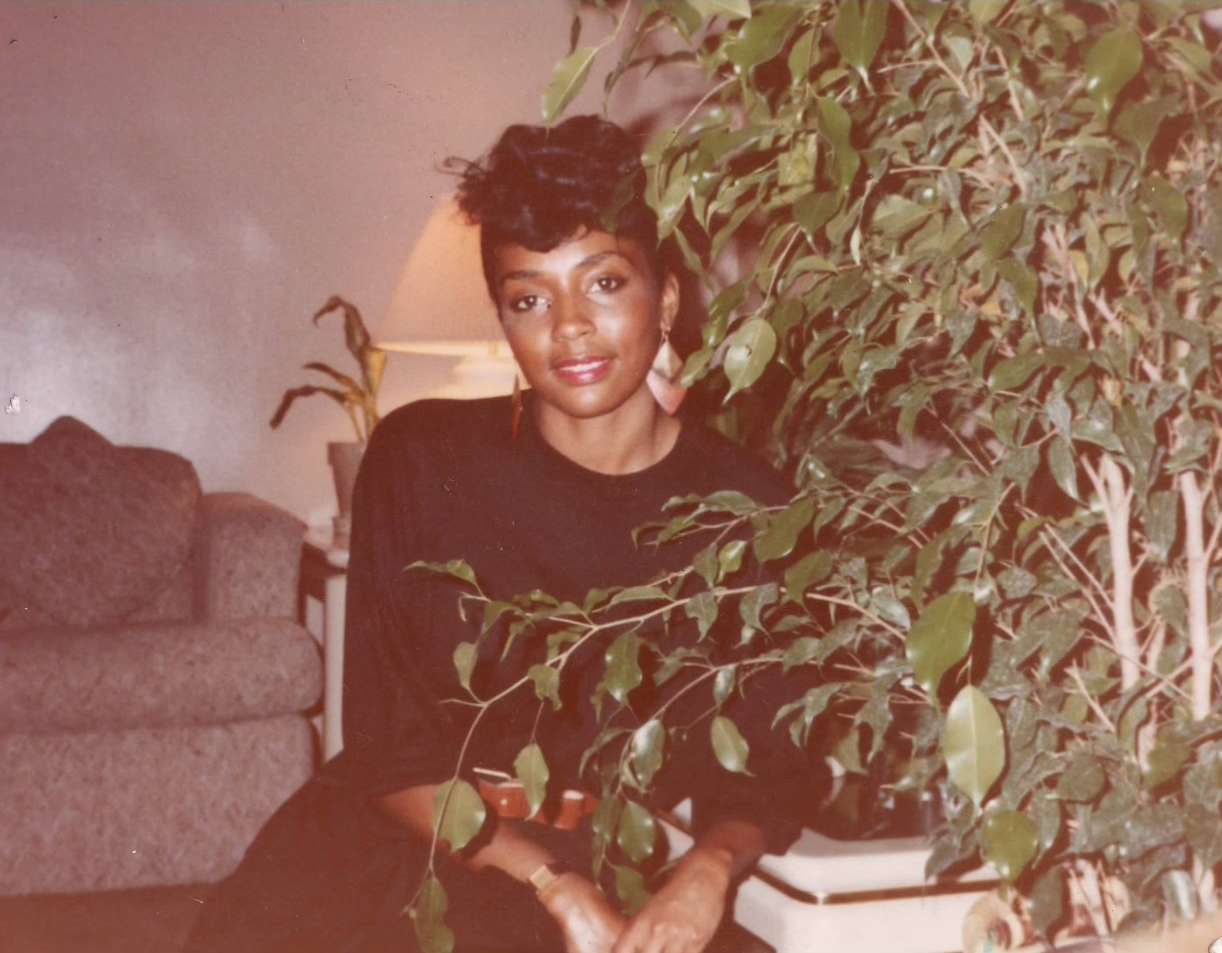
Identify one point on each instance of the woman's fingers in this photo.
(673, 921)
(685, 912)
(662, 936)
(589, 923)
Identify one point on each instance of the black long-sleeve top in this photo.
(445, 480)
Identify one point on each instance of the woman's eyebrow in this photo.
(520, 274)
(526, 274)
(599, 257)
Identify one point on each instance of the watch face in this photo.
(546, 875)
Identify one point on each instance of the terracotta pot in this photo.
(345, 459)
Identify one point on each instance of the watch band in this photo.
(547, 875)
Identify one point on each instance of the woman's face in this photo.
(584, 321)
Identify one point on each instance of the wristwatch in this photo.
(547, 875)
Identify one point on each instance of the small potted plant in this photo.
(359, 398)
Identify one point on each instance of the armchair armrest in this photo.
(247, 558)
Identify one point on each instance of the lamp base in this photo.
(483, 376)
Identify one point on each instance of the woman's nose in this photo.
(570, 319)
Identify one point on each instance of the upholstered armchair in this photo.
(153, 681)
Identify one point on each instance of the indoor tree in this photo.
(963, 276)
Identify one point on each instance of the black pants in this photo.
(328, 875)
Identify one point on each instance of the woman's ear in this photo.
(669, 301)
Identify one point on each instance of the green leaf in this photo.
(428, 917)
(631, 887)
(811, 705)
(762, 37)
(755, 602)
(810, 569)
(1165, 762)
(636, 832)
(1048, 900)
(623, 666)
(728, 501)
(1139, 123)
(1082, 780)
(985, 11)
(1008, 839)
(458, 813)
(749, 350)
(813, 210)
(890, 608)
(604, 822)
(702, 607)
(1063, 465)
(897, 216)
(729, 745)
(837, 125)
(493, 612)
(974, 744)
(801, 56)
(646, 750)
(729, 9)
(1171, 206)
(1111, 62)
(464, 661)
(1003, 230)
(730, 558)
(1204, 833)
(531, 769)
(1153, 826)
(781, 535)
(455, 567)
(637, 594)
(940, 638)
(801, 651)
(547, 683)
(1023, 280)
(567, 81)
(1048, 817)
(858, 31)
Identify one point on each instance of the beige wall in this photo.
(183, 184)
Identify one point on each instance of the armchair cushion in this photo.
(155, 675)
(94, 531)
(248, 558)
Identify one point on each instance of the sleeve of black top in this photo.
(784, 778)
(396, 732)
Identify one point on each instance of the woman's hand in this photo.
(683, 916)
(589, 922)
(685, 913)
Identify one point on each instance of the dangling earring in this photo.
(663, 379)
(515, 413)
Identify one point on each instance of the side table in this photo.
(324, 576)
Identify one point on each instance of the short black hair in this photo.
(541, 185)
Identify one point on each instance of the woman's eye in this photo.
(524, 303)
(609, 283)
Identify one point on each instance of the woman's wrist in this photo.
(546, 875)
(709, 861)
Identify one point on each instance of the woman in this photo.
(541, 492)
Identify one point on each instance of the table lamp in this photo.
(441, 307)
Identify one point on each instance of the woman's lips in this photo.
(582, 370)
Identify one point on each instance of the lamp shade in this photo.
(441, 303)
